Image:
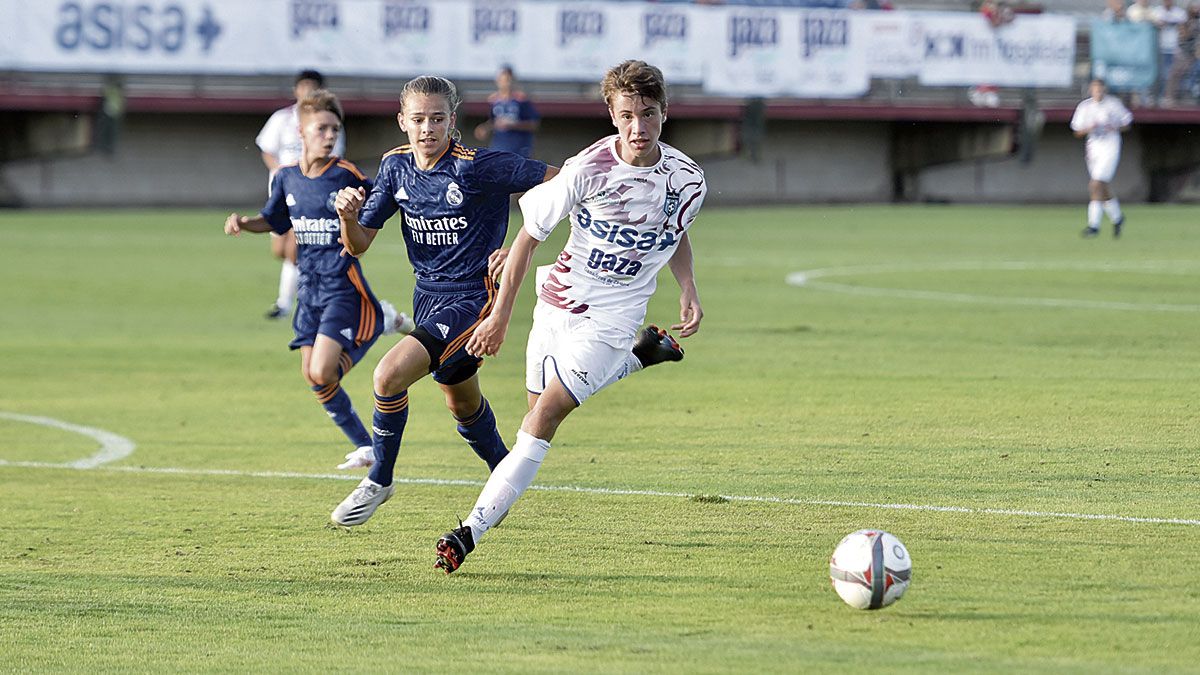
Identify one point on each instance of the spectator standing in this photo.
(1115, 11)
(1185, 57)
(1168, 17)
(1141, 12)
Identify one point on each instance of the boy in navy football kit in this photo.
(337, 318)
(455, 204)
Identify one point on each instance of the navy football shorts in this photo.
(353, 319)
(447, 314)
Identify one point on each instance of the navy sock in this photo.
(391, 414)
(336, 402)
(479, 429)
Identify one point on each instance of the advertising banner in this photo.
(1125, 54)
(894, 45)
(729, 49)
(964, 49)
(806, 53)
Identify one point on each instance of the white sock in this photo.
(1095, 213)
(508, 482)
(289, 277)
(1113, 208)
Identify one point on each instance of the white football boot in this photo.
(362, 458)
(361, 504)
(396, 322)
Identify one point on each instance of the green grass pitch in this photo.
(982, 358)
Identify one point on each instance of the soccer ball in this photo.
(870, 569)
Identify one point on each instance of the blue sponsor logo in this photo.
(663, 27)
(134, 27)
(752, 31)
(405, 18)
(489, 21)
(313, 15)
(628, 237)
(819, 32)
(945, 45)
(577, 24)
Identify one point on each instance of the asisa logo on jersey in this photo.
(671, 205)
(454, 195)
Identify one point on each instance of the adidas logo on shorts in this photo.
(444, 328)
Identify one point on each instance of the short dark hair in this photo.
(313, 75)
(635, 78)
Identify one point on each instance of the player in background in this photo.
(337, 318)
(512, 119)
(280, 144)
(630, 201)
(455, 203)
(1101, 119)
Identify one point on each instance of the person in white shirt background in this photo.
(1101, 119)
(1168, 17)
(280, 144)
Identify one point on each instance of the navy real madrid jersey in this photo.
(456, 213)
(305, 205)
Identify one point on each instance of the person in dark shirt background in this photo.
(512, 119)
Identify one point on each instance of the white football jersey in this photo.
(626, 223)
(280, 136)
(1105, 117)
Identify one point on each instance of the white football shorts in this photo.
(585, 354)
(1102, 162)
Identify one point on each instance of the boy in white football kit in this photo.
(1101, 119)
(280, 144)
(630, 201)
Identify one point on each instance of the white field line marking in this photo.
(115, 447)
(809, 279)
(623, 492)
(112, 446)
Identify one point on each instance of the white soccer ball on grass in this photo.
(870, 569)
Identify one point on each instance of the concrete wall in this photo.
(1056, 174)
(211, 160)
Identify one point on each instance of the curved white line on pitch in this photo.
(112, 446)
(808, 279)
(636, 493)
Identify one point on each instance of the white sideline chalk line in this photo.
(807, 278)
(125, 445)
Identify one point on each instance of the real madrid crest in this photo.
(331, 202)
(454, 195)
(671, 205)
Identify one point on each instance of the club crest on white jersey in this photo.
(671, 204)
